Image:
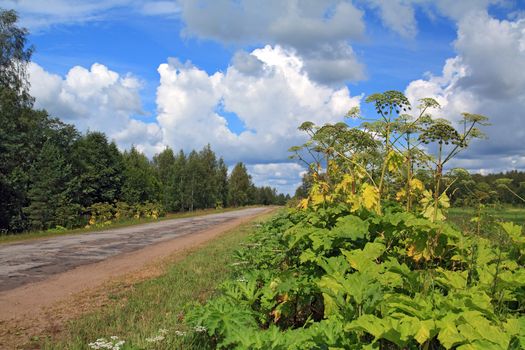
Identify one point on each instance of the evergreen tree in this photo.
(50, 175)
(208, 189)
(180, 180)
(239, 186)
(164, 164)
(193, 179)
(221, 180)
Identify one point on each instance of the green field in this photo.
(462, 216)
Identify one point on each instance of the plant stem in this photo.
(439, 173)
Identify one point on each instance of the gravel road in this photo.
(36, 260)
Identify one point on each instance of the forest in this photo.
(52, 175)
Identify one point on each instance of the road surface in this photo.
(36, 260)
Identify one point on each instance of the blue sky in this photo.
(242, 75)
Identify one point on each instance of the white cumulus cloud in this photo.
(318, 31)
(285, 177)
(484, 78)
(95, 99)
(271, 104)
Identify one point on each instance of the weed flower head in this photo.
(180, 333)
(155, 339)
(242, 279)
(159, 337)
(114, 343)
(199, 329)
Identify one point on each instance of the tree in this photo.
(180, 178)
(208, 193)
(98, 170)
(221, 180)
(140, 184)
(164, 164)
(47, 193)
(14, 55)
(17, 121)
(239, 185)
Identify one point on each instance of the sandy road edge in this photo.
(30, 309)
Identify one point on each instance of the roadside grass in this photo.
(15, 237)
(461, 216)
(156, 307)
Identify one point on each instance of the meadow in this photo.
(463, 215)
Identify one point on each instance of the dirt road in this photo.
(37, 274)
(35, 260)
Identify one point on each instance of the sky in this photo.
(242, 75)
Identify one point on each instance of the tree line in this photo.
(51, 174)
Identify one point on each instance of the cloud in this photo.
(285, 177)
(299, 24)
(271, 104)
(155, 8)
(397, 15)
(95, 99)
(483, 79)
(317, 31)
(400, 15)
(38, 15)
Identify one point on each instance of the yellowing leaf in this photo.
(417, 185)
(395, 160)
(423, 333)
(303, 204)
(370, 196)
(444, 201)
(317, 199)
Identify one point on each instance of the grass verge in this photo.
(10, 238)
(142, 311)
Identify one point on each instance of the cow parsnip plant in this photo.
(350, 268)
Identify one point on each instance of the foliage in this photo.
(239, 186)
(104, 214)
(329, 278)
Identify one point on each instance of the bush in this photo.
(334, 279)
(103, 214)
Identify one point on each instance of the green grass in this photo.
(10, 238)
(462, 216)
(140, 312)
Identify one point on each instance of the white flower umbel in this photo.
(200, 329)
(155, 339)
(114, 343)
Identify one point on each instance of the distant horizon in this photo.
(242, 77)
